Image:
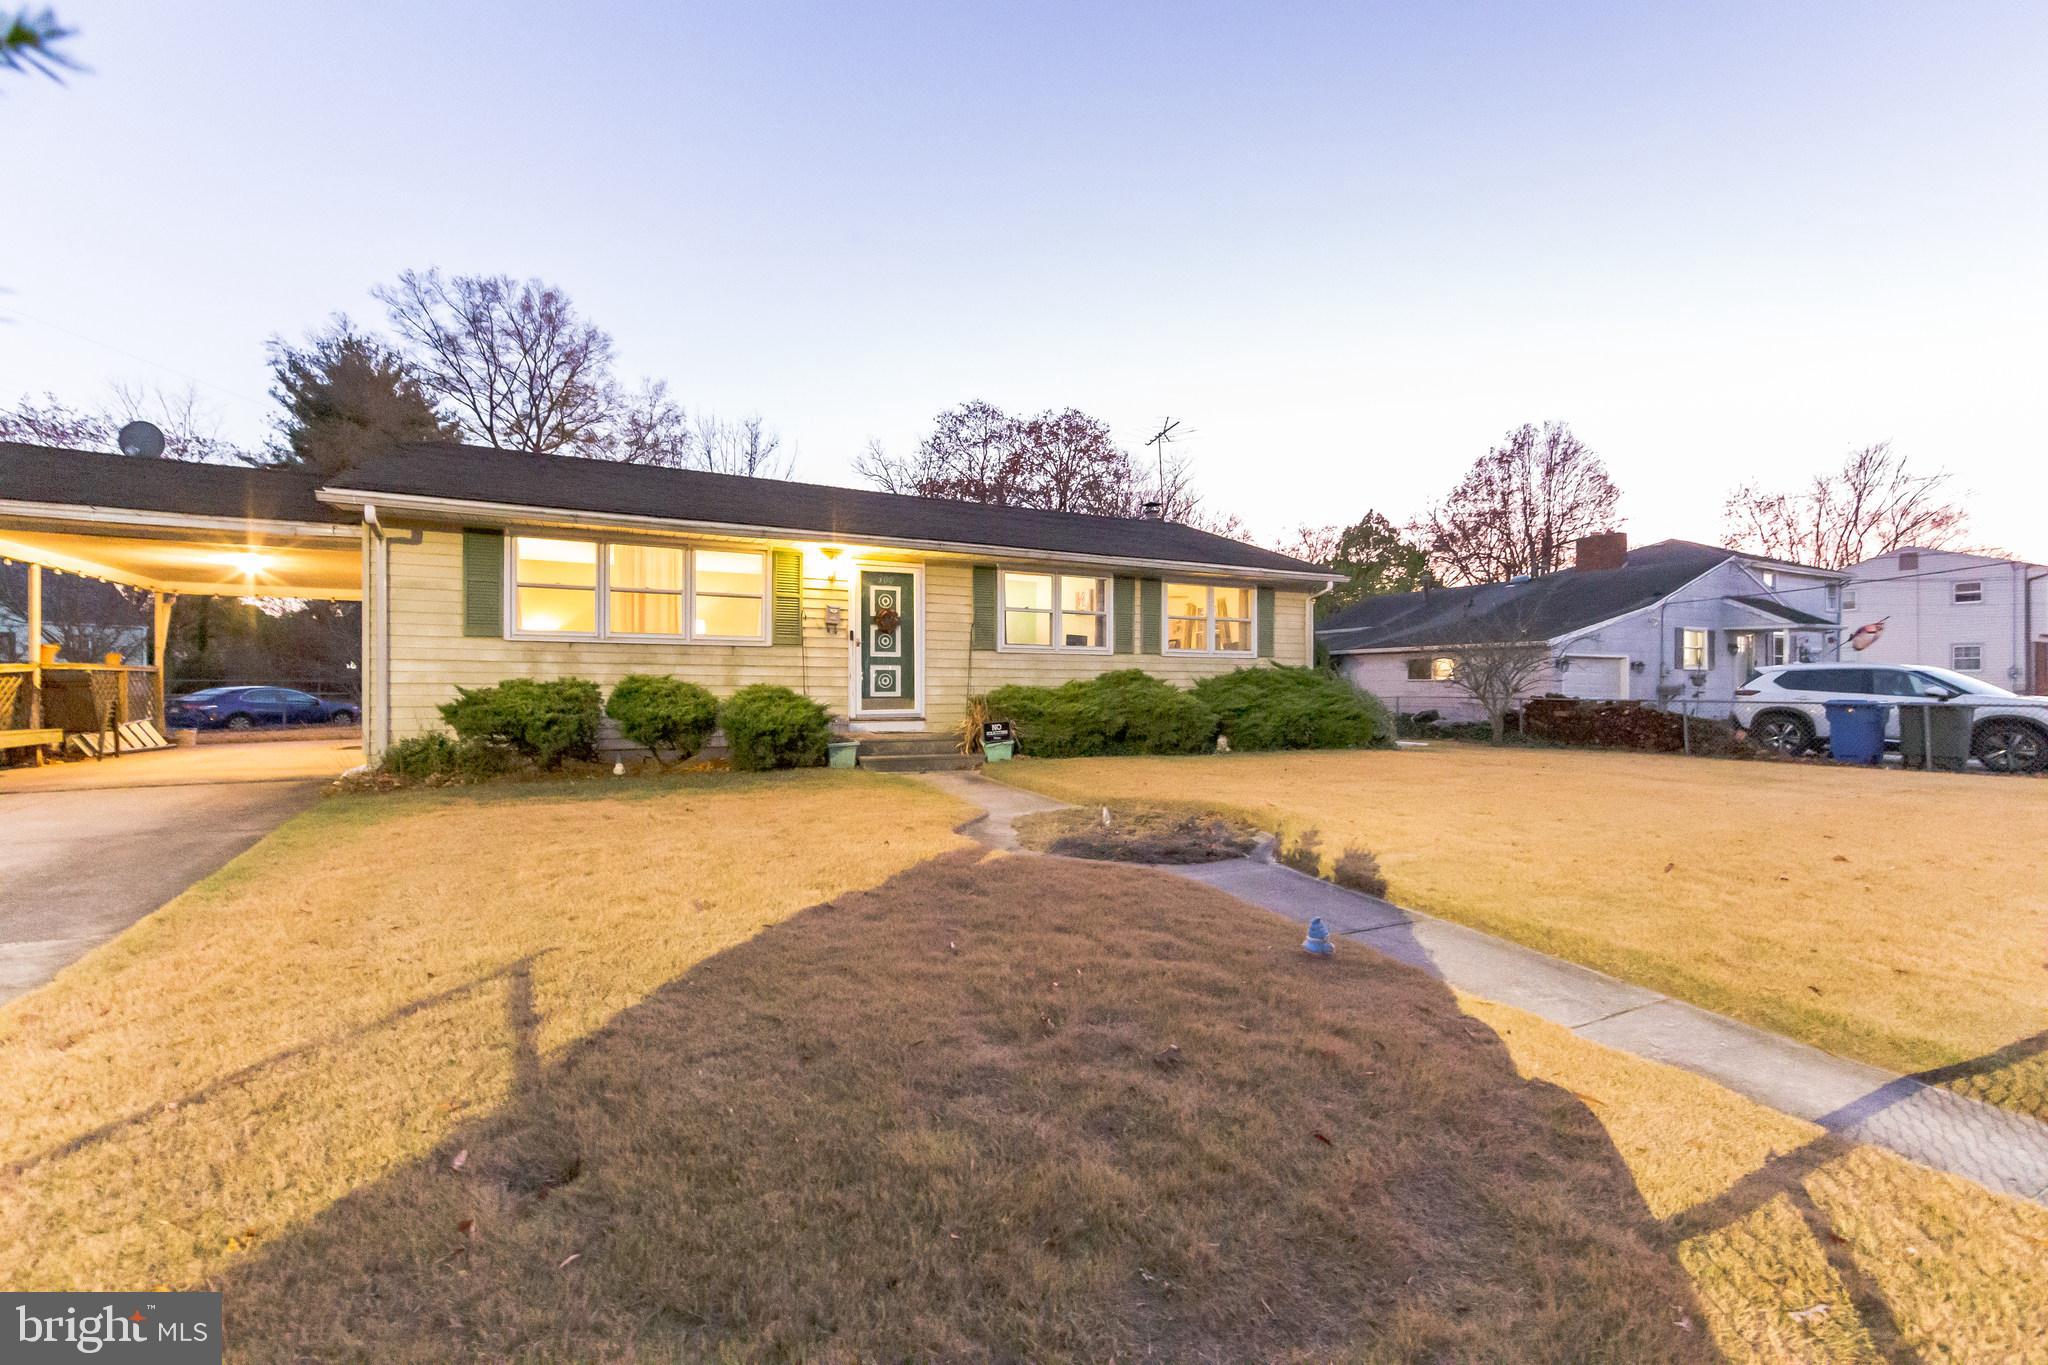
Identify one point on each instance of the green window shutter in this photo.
(483, 582)
(1266, 596)
(789, 597)
(984, 633)
(1126, 614)
(1151, 605)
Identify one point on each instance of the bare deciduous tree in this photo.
(1520, 508)
(649, 427)
(1874, 504)
(1496, 673)
(191, 429)
(514, 363)
(970, 455)
(743, 447)
(1062, 460)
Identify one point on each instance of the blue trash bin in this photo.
(1856, 731)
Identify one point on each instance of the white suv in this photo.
(1783, 708)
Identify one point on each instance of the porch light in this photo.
(822, 561)
(248, 563)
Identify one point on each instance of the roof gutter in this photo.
(493, 513)
(174, 521)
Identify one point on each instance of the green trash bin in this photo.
(1935, 735)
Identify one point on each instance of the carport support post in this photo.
(159, 642)
(35, 646)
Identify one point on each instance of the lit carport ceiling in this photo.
(200, 562)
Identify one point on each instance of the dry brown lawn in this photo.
(1139, 832)
(333, 1004)
(421, 1079)
(1900, 918)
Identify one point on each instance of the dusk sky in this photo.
(1346, 246)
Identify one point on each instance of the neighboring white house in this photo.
(1669, 621)
(1973, 613)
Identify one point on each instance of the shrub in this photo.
(420, 756)
(1292, 708)
(1358, 869)
(663, 713)
(1125, 712)
(773, 727)
(545, 721)
(436, 755)
(1304, 854)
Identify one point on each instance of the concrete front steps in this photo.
(914, 754)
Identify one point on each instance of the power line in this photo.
(140, 359)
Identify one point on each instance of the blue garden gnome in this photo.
(1318, 940)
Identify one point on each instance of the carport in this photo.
(169, 528)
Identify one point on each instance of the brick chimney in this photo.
(1606, 550)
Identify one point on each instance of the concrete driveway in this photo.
(86, 849)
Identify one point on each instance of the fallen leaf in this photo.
(1814, 989)
(1590, 1099)
(1167, 1057)
(563, 1264)
(1668, 867)
(1841, 857)
(1323, 1138)
(459, 1160)
(1837, 1238)
(1810, 1312)
(467, 1227)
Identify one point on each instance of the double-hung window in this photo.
(591, 589)
(1204, 618)
(1055, 611)
(555, 590)
(1966, 658)
(1692, 651)
(1440, 669)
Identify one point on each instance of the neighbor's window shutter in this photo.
(983, 635)
(1265, 623)
(1710, 648)
(1150, 600)
(1126, 614)
(789, 597)
(1678, 646)
(483, 582)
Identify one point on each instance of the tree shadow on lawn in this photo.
(1011, 1108)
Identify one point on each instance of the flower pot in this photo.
(999, 753)
(112, 658)
(842, 755)
(46, 654)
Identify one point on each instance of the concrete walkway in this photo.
(78, 866)
(1999, 1149)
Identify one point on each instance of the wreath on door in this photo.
(887, 619)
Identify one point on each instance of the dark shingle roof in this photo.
(1772, 607)
(95, 478)
(1538, 609)
(604, 487)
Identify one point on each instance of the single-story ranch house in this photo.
(1664, 622)
(477, 565)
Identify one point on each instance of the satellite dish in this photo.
(142, 440)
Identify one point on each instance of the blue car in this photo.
(245, 708)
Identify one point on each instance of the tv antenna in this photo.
(141, 439)
(1161, 439)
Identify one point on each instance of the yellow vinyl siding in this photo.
(953, 672)
(431, 657)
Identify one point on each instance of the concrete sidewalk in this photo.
(1999, 1149)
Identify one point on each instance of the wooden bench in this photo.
(38, 740)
